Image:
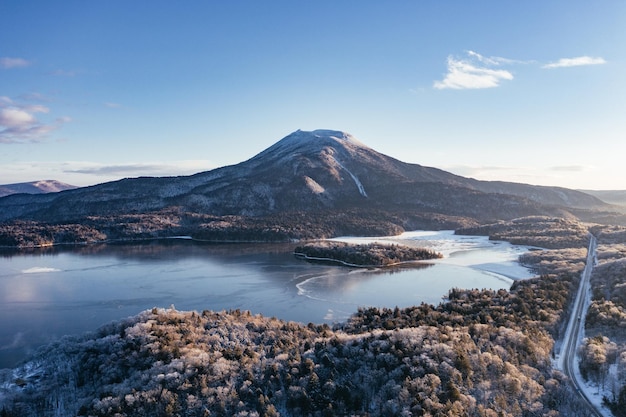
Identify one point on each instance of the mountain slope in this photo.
(309, 172)
(617, 197)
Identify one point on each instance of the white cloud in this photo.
(13, 118)
(474, 72)
(575, 62)
(8, 62)
(18, 122)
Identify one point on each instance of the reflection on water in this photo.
(47, 293)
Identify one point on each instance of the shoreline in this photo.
(305, 257)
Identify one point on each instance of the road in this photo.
(575, 327)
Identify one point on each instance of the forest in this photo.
(282, 227)
(480, 353)
(603, 356)
(368, 255)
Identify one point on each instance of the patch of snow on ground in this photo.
(314, 185)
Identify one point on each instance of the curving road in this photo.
(575, 327)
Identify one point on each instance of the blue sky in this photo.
(527, 91)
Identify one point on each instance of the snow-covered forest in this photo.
(483, 353)
(603, 354)
(368, 255)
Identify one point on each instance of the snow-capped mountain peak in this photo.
(306, 171)
(312, 142)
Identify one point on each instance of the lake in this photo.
(51, 292)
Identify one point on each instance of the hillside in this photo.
(306, 175)
(617, 197)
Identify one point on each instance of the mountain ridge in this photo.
(35, 187)
(318, 173)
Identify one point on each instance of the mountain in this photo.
(35, 187)
(322, 171)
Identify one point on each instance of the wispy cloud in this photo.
(486, 171)
(186, 167)
(112, 105)
(9, 62)
(474, 72)
(82, 173)
(64, 73)
(19, 122)
(34, 97)
(569, 168)
(575, 62)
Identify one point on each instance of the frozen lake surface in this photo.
(47, 293)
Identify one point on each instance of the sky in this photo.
(524, 91)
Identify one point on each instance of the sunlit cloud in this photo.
(8, 62)
(19, 122)
(474, 72)
(575, 62)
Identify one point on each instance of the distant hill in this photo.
(35, 187)
(311, 181)
(617, 197)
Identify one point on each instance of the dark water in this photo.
(48, 293)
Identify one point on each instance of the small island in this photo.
(363, 256)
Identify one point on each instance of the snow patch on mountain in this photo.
(354, 178)
(302, 143)
(314, 185)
